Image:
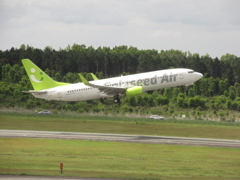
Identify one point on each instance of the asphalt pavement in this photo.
(122, 138)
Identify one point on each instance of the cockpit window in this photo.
(190, 72)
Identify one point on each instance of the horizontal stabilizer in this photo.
(32, 92)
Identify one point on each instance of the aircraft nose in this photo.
(198, 75)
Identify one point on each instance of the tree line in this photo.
(218, 89)
(115, 61)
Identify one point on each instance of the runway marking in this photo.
(121, 138)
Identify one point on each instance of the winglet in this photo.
(94, 77)
(84, 80)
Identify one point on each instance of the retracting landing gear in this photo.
(116, 99)
(102, 100)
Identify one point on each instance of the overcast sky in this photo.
(199, 26)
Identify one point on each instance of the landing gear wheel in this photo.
(116, 100)
(102, 100)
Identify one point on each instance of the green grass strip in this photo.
(117, 160)
(119, 125)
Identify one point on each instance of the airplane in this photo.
(46, 88)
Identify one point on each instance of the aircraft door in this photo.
(59, 94)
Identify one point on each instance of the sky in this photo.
(198, 26)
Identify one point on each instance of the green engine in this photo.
(134, 91)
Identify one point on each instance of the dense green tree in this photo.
(232, 94)
(218, 89)
(162, 100)
(223, 85)
(196, 102)
(132, 101)
(140, 101)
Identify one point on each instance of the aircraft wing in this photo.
(105, 89)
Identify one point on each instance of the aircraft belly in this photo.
(89, 96)
(82, 96)
(41, 96)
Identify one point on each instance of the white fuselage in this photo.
(149, 81)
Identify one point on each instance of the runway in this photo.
(121, 138)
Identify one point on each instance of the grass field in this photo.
(120, 125)
(114, 159)
(117, 160)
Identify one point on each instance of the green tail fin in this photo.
(39, 79)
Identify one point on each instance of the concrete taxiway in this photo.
(121, 138)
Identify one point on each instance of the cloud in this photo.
(207, 26)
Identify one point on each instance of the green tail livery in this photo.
(39, 79)
(131, 85)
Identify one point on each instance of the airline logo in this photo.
(166, 78)
(33, 78)
(169, 78)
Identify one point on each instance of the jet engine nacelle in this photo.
(134, 91)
